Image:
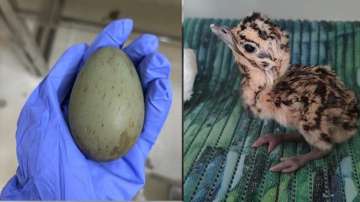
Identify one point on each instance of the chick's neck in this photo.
(255, 77)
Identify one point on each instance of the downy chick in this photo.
(310, 99)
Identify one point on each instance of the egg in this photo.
(106, 107)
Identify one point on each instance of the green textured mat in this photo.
(219, 163)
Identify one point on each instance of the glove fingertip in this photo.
(113, 35)
(141, 47)
(154, 66)
(162, 59)
(128, 21)
(80, 47)
(160, 90)
(75, 50)
(119, 30)
(72, 57)
(151, 39)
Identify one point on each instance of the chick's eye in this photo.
(249, 48)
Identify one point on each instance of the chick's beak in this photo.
(224, 34)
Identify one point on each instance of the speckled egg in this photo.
(106, 109)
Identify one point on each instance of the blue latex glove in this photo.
(50, 164)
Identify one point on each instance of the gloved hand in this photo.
(51, 167)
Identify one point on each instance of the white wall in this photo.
(285, 9)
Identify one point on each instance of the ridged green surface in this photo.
(219, 163)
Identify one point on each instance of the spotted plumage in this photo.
(310, 99)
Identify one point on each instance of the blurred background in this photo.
(34, 33)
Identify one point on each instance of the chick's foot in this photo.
(290, 164)
(273, 140)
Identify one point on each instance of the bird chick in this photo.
(310, 99)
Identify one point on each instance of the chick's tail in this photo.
(345, 125)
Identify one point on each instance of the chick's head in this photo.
(257, 43)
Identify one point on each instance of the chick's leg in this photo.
(290, 164)
(273, 140)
